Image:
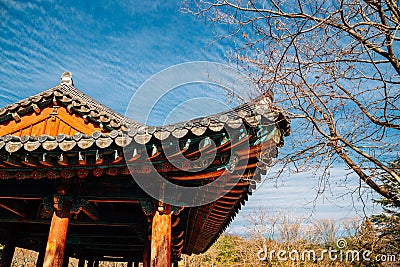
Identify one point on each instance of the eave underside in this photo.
(117, 227)
(27, 178)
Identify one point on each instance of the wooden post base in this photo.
(55, 248)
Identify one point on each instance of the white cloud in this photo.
(343, 198)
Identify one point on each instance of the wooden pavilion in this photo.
(66, 186)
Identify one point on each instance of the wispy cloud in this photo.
(110, 49)
(301, 194)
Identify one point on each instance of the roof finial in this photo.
(66, 78)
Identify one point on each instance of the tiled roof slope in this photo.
(75, 101)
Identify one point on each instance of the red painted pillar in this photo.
(56, 242)
(161, 238)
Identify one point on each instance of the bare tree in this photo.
(333, 66)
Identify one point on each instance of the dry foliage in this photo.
(269, 232)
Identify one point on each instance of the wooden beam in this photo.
(180, 234)
(75, 223)
(180, 243)
(176, 222)
(12, 160)
(222, 208)
(7, 254)
(90, 211)
(230, 196)
(244, 167)
(56, 241)
(10, 206)
(132, 201)
(226, 202)
(161, 238)
(198, 176)
(12, 188)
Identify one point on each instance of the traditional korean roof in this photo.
(113, 124)
(63, 133)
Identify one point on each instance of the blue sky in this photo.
(111, 48)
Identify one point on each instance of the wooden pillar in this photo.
(8, 254)
(161, 238)
(56, 241)
(81, 263)
(90, 263)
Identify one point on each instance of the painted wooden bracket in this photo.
(147, 207)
